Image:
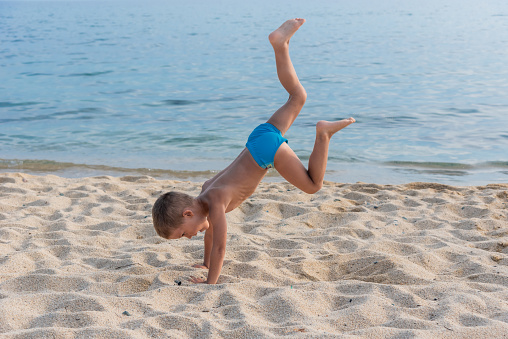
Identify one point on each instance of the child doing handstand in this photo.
(177, 215)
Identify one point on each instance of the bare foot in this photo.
(281, 36)
(329, 128)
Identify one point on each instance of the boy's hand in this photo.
(200, 266)
(195, 280)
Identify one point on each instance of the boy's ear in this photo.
(187, 213)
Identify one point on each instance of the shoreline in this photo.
(392, 172)
(80, 257)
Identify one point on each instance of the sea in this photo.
(172, 89)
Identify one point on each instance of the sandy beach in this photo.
(79, 258)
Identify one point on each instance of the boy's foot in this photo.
(329, 128)
(282, 34)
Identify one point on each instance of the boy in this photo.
(177, 215)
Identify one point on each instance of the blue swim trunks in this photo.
(263, 143)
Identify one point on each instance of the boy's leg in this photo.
(291, 168)
(284, 116)
(286, 161)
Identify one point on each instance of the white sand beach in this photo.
(79, 258)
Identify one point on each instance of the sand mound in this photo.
(79, 258)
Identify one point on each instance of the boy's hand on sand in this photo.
(195, 280)
(200, 266)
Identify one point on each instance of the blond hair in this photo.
(167, 212)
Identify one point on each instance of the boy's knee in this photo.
(299, 96)
(304, 96)
(314, 188)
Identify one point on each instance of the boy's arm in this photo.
(208, 248)
(218, 250)
(208, 244)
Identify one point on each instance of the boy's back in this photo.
(234, 184)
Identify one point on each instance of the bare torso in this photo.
(235, 183)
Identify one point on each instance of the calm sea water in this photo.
(175, 87)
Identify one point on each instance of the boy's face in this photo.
(190, 227)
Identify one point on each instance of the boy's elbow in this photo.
(219, 250)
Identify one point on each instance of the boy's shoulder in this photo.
(215, 196)
(220, 198)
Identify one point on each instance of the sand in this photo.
(79, 259)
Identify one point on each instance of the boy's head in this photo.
(177, 215)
